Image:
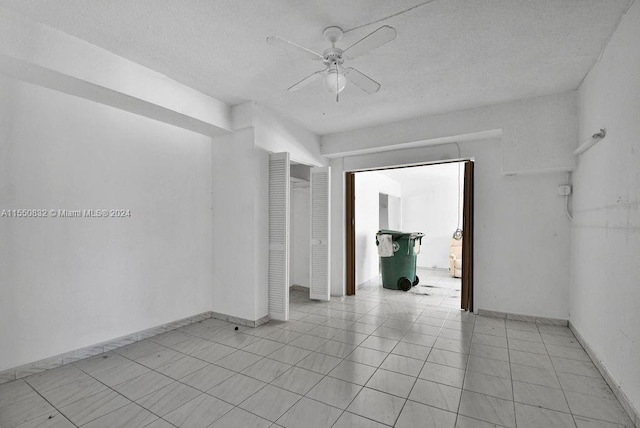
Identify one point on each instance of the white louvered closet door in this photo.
(320, 232)
(279, 236)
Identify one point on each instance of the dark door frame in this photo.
(466, 300)
(466, 293)
(350, 180)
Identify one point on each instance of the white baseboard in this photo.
(240, 321)
(518, 317)
(632, 412)
(89, 351)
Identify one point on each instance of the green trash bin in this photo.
(399, 267)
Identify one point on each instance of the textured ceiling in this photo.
(448, 55)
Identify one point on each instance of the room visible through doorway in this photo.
(434, 199)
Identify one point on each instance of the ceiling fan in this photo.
(334, 73)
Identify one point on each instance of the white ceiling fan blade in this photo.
(362, 81)
(292, 47)
(304, 82)
(378, 38)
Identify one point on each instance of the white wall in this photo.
(430, 199)
(300, 260)
(368, 186)
(605, 284)
(390, 212)
(520, 212)
(240, 272)
(240, 226)
(383, 211)
(276, 134)
(67, 283)
(394, 213)
(537, 134)
(521, 233)
(433, 213)
(36, 53)
(241, 205)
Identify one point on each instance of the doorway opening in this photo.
(315, 184)
(389, 207)
(435, 199)
(300, 227)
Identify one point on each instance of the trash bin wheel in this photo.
(404, 284)
(416, 281)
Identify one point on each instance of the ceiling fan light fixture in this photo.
(334, 79)
(334, 75)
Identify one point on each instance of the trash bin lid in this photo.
(396, 234)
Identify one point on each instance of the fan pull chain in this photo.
(337, 83)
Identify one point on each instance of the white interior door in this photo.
(320, 233)
(279, 205)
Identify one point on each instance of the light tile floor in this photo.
(436, 288)
(380, 358)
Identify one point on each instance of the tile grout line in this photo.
(388, 354)
(417, 376)
(180, 381)
(154, 370)
(208, 340)
(59, 360)
(342, 360)
(127, 398)
(51, 404)
(632, 413)
(344, 314)
(562, 388)
(465, 375)
(557, 377)
(489, 358)
(91, 395)
(513, 393)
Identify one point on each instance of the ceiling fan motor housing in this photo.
(333, 56)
